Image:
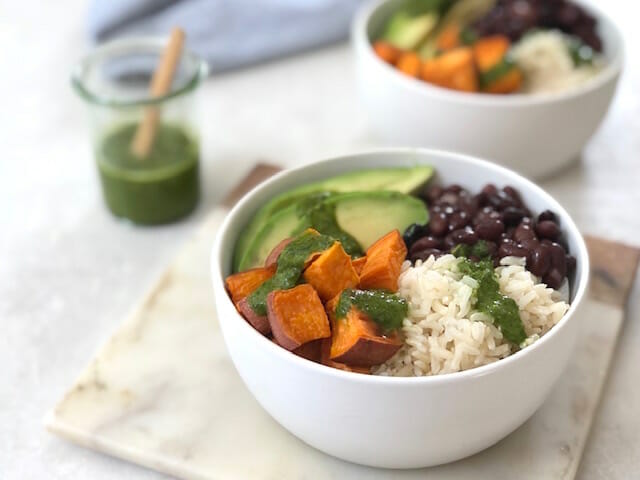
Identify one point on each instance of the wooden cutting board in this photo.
(163, 393)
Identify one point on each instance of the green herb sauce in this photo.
(490, 301)
(496, 72)
(289, 269)
(318, 215)
(160, 188)
(478, 249)
(386, 309)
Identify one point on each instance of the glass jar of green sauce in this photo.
(164, 185)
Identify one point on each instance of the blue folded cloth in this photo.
(228, 33)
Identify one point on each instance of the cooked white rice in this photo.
(443, 333)
(547, 65)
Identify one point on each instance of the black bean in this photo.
(513, 215)
(571, 263)
(458, 220)
(424, 254)
(553, 278)
(539, 260)
(482, 199)
(558, 258)
(448, 198)
(433, 209)
(489, 189)
(450, 209)
(492, 248)
(547, 229)
(512, 249)
(425, 243)
(463, 235)
(490, 229)
(527, 220)
(414, 232)
(548, 215)
(522, 232)
(530, 243)
(513, 194)
(434, 193)
(438, 224)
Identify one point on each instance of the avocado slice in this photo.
(401, 179)
(407, 32)
(366, 216)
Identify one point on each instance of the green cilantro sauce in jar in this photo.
(113, 81)
(162, 187)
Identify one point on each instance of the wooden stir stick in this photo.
(160, 85)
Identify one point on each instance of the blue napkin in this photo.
(228, 33)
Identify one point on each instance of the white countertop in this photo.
(69, 271)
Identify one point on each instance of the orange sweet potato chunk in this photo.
(240, 285)
(409, 63)
(488, 51)
(384, 262)
(453, 69)
(387, 52)
(357, 342)
(449, 37)
(508, 83)
(259, 322)
(311, 350)
(297, 316)
(331, 272)
(325, 359)
(358, 264)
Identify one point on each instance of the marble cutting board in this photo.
(163, 393)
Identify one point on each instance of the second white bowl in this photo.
(533, 134)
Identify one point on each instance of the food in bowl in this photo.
(385, 272)
(500, 47)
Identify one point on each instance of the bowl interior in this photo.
(372, 18)
(450, 168)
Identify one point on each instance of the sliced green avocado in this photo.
(407, 32)
(401, 179)
(366, 216)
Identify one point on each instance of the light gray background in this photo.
(69, 271)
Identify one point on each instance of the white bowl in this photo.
(533, 134)
(386, 421)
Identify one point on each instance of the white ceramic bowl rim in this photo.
(611, 69)
(570, 229)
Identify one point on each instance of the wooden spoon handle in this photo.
(160, 85)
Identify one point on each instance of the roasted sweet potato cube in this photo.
(357, 341)
(387, 52)
(449, 37)
(239, 285)
(409, 63)
(384, 262)
(331, 272)
(508, 83)
(488, 51)
(259, 322)
(297, 316)
(325, 359)
(311, 350)
(272, 258)
(358, 264)
(453, 69)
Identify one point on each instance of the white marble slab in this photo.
(163, 393)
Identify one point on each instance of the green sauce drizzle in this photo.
(289, 269)
(386, 309)
(478, 249)
(490, 301)
(320, 216)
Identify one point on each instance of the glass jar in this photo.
(114, 82)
